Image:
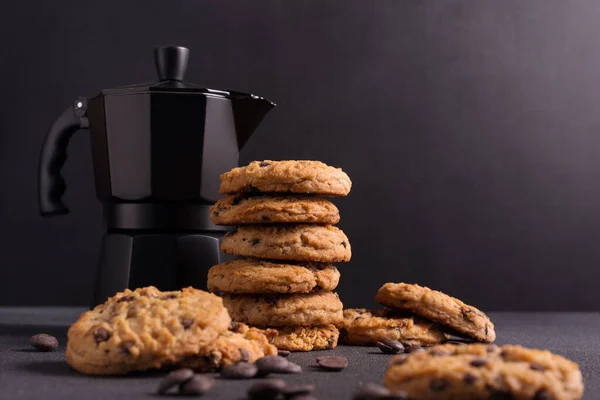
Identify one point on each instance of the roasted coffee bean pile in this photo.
(189, 383)
(43, 342)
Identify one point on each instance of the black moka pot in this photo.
(158, 150)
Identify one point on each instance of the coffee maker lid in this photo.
(171, 64)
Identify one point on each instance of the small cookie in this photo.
(240, 343)
(317, 243)
(366, 327)
(306, 338)
(249, 275)
(291, 176)
(146, 329)
(438, 307)
(479, 371)
(241, 209)
(313, 309)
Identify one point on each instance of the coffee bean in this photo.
(478, 362)
(271, 364)
(413, 348)
(283, 353)
(390, 346)
(293, 368)
(101, 335)
(290, 392)
(197, 385)
(537, 367)
(43, 342)
(174, 378)
(241, 370)
(332, 363)
(438, 384)
(267, 389)
(543, 395)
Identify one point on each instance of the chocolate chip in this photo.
(174, 378)
(543, 395)
(254, 242)
(438, 384)
(332, 363)
(43, 342)
(265, 218)
(330, 342)
(244, 355)
(399, 360)
(234, 326)
(241, 370)
(271, 364)
(537, 367)
(272, 300)
(478, 362)
(438, 352)
(101, 335)
(500, 395)
(125, 298)
(390, 346)
(267, 389)
(371, 391)
(126, 347)
(236, 200)
(283, 353)
(198, 385)
(294, 391)
(469, 378)
(413, 348)
(209, 359)
(344, 244)
(169, 297)
(466, 314)
(186, 323)
(265, 164)
(250, 188)
(292, 368)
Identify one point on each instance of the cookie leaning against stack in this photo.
(285, 237)
(149, 329)
(415, 315)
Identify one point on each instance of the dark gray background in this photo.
(469, 128)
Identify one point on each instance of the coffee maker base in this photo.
(168, 261)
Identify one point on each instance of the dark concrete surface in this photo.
(26, 374)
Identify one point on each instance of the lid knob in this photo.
(171, 62)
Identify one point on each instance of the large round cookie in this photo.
(318, 243)
(479, 371)
(438, 307)
(240, 209)
(291, 176)
(367, 327)
(306, 338)
(285, 310)
(146, 329)
(250, 275)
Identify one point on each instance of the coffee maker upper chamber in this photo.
(158, 150)
(163, 143)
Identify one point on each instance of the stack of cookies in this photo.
(415, 316)
(286, 241)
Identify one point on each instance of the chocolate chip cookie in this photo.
(285, 310)
(367, 327)
(479, 371)
(438, 307)
(241, 209)
(308, 177)
(251, 275)
(148, 329)
(306, 338)
(318, 243)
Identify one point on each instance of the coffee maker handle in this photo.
(51, 184)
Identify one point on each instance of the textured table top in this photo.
(26, 374)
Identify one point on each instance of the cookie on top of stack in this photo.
(286, 240)
(415, 315)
